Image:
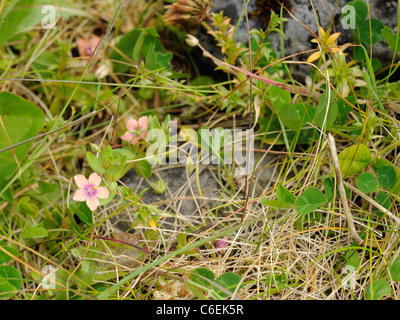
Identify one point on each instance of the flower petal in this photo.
(128, 136)
(80, 181)
(80, 195)
(321, 32)
(333, 38)
(136, 140)
(92, 202)
(102, 192)
(93, 42)
(314, 56)
(143, 122)
(83, 45)
(95, 179)
(131, 124)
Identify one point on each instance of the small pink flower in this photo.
(89, 190)
(132, 135)
(86, 47)
(222, 244)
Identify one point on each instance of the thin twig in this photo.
(342, 192)
(103, 40)
(246, 189)
(373, 202)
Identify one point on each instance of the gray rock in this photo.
(234, 9)
(297, 37)
(182, 198)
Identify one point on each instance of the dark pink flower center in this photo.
(90, 190)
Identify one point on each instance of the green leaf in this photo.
(378, 289)
(322, 106)
(384, 162)
(159, 186)
(277, 204)
(10, 281)
(366, 182)
(358, 54)
(329, 184)
(343, 107)
(4, 257)
(395, 270)
(365, 33)
(229, 281)
(83, 212)
(204, 82)
(386, 176)
(156, 59)
(206, 273)
(376, 64)
(391, 38)
(22, 15)
(279, 97)
(23, 120)
(95, 163)
(352, 258)
(354, 159)
(329, 188)
(47, 187)
(116, 172)
(361, 11)
(138, 47)
(143, 168)
(37, 231)
(294, 116)
(310, 200)
(125, 153)
(384, 200)
(25, 207)
(106, 154)
(146, 45)
(283, 194)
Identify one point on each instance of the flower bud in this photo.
(192, 40)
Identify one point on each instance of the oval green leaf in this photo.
(310, 200)
(320, 112)
(229, 281)
(371, 32)
(23, 121)
(294, 116)
(354, 159)
(361, 11)
(36, 231)
(143, 168)
(386, 176)
(395, 270)
(4, 257)
(384, 200)
(366, 182)
(95, 163)
(378, 289)
(384, 162)
(10, 281)
(391, 38)
(203, 272)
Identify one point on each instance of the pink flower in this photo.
(90, 191)
(222, 244)
(86, 47)
(133, 135)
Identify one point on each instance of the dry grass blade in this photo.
(342, 192)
